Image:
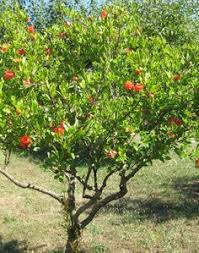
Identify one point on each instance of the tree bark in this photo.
(74, 235)
(74, 232)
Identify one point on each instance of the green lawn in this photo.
(159, 214)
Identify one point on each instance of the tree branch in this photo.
(81, 181)
(88, 204)
(95, 179)
(7, 156)
(114, 196)
(32, 187)
(132, 174)
(107, 177)
(95, 197)
(86, 181)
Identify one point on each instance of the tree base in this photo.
(73, 242)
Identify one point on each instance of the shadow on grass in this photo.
(159, 210)
(12, 246)
(188, 187)
(15, 246)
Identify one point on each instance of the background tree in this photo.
(176, 21)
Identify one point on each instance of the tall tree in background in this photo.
(176, 21)
(46, 12)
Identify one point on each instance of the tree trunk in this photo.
(73, 231)
(74, 236)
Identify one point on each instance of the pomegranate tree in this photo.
(95, 95)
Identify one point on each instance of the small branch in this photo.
(114, 196)
(87, 186)
(95, 179)
(95, 197)
(107, 177)
(7, 156)
(132, 173)
(32, 187)
(88, 204)
(87, 196)
(86, 181)
(117, 43)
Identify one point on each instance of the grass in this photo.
(160, 214)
